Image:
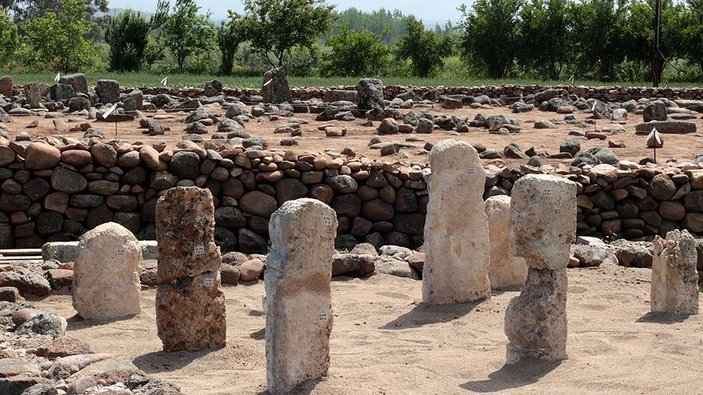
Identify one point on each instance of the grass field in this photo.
(137, 80)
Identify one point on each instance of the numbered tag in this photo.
(326, 220)
(199, 250)
(323, 317)
(471, 172)
(121, 252)
(209, 282)
(548, 193)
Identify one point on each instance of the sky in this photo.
(428, 11)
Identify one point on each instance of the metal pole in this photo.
(656, 56)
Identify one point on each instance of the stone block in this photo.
(674, 274)
(506, 271)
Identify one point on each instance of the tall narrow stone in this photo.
(106, 273)
(190, 307)
(298, 302)
(456, 229)
(542, 229)
(674, 274)
(506, 270)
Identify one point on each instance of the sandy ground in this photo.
(681, 147)
(385, 342)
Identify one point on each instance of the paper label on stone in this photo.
(548, 193)
(121, 252)
(199, 250)
(324, 316)
(471, 172)
(209, 282)
(326, 220)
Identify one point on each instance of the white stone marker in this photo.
(542, 229)
(506, 271)
(456, 229)
(106, 274)
(298, 301)
(674, 274)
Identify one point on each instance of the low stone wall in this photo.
(56, 194)
(507, 92)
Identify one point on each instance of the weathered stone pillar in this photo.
(506, 271)
(190, 307)
(370, 94)
(275, 88)
(542, 229)
(106, 273)
(674, 274)
(456, 229)
(298, 302)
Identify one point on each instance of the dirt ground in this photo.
(385, 342)
(681, 147)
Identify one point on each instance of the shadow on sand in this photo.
(663, 318)
(77, 322)
(424, 314)
(527, 371)
(305, 388)
(161, 361)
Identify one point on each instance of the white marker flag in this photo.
(57, 78)
(164, 81)
(654, 140)
(110, 111)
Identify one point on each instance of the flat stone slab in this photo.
(65, 251)
(666, 127)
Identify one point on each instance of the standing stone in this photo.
(60, 92)
(506, 271)
(542, 229)
(108, 91)
(298, 302)
(456, 229)
(370, 94)
(77, 81)
(275, 88)
(190, 307)
(134, 100)
(674, 275)
(213, 88)
(106, 273)
(35, 92)
(6, 86)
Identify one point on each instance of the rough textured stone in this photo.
(506, 271)
(298, 302)
(108, 91)
(65, 180)
(370, 94)
(456, 246)
(674, 275)
(258, 203)
(275, 88)
(190, 309)
(543, 220)
(106, 273)
(6, 86)
(26, 281)
(77, 81)
(40, 156)
(535, 321)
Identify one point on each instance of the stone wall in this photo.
(68, 190)
(507, 92)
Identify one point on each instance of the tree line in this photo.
(609, 40)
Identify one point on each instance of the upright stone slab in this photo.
(370, 94)
(190, 307)
(542, 229)
(506, 271)
(456, 229)
(6, 86)
(34, 92)
(108, 91)
(106, 273)
(298, 302)
(674, 274)
(275, 88)
(77, 81)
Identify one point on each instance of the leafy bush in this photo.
(127, 36)
(425, 49)
(356, 54)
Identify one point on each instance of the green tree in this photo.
(8, 37)
(183, 30)
(490, 36)
(693, 33)
(356, 54)
(229, 36)
(59, 39)
(598, 38)
(274, 27)
(425, 48)
(543, 37)
(390, 24)
(127, 35)
(26, 10)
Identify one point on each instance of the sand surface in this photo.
(385, 342)
(680, 147)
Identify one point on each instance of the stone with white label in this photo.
(506, 271)
(456, 229)
(190, 306)
(674, 287)
(543, 220)
(298, 302)
(106, 273)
